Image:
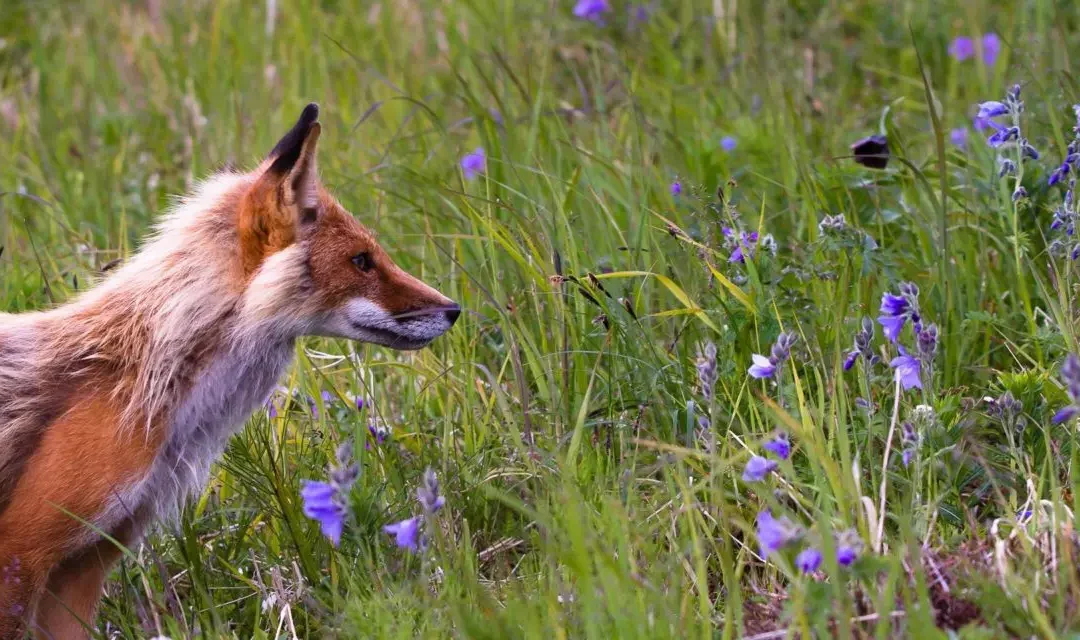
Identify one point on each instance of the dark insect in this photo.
(872, 152)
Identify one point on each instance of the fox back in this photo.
(113, 407)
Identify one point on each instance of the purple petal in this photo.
(892, 326)
(781, 447)
(762, 367)
(962, 48)
(1065, 414)
(757, 468)
(808, 560)
(991, 46)
(404, 533)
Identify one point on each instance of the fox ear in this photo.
(294, 167)
(285, 196)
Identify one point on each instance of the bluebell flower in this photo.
(962, 48)
(781, 350)
(1070, 375)
(1003, 135)
(762, 367)
(408, 533)
(991, 48)
(779, 446)
(405, 533)
(959, 137)
(848, 547)
(907, 370)
(728, 143)
(808, 560)
(775, 533)
(757, 468)
(863, 339)
(327, 502)
(474, 163)
(896, 310)
(676, 188)
(992, 109)
(593, 10)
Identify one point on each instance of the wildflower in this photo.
(1003, 135)
(10, 573)
(962, 48)
(992, 109)
(405, 533)
(909, 442)
(896, 310)
(379, 432)
(1070, 375)
(863, 337)
(982, 124)
(907, 370)
(779, 446)
(593, 10)
(928, 342)
(728, 143)
(757, 468)
(831, 224)
(474, 163)
(676, 188)
(775, 533)
(742, 241)
(359, 403)
(1019, 193)
(1072, 154)
(991, 48)
(872, 152)
(327, 502)
(706, 370)
(762, 367)
(848, 547)
(428, 493)
(639, 14)
(808, 560)
(781, 350)
(1008, 409)
(959, 137)
(327, 400)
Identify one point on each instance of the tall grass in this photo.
(593, 489)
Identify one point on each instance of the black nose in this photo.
(452, 314)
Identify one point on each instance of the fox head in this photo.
(306, 259)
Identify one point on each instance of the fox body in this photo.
(113, 407)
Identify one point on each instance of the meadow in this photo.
(729, 366)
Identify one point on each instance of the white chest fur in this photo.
(223, 397)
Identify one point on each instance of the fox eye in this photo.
(363, 261)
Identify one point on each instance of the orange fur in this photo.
(114, 406)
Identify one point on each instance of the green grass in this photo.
(561, 413)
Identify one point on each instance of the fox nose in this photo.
(452, 313)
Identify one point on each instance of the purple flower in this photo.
(981, 124)
(728, 143)
(808, 560)
(1065, 414)
(428, 493)
(780, 446)
(962, 48)
(676, 188)
(849, 361)
(907, 370)
(327, 502)
(992, 109)
(1059, 174)
(762, 367)
(378, 432)
(405, 533)
(593, 10)
(1003, 135)
(321, 503)
(757, 468)
(359, 403)
(773, 534)
(906, 456)
(848, 547)
(474, 163)
(895, 311)
(959, 137)
(639, 14)
(991, 48)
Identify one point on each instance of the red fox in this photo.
(113, 407)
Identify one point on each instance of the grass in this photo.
(562, 414)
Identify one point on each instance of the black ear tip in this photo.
(310, 114)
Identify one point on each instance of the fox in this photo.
(114, 406)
